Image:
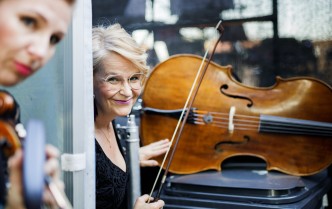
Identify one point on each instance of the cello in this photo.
(288, 125)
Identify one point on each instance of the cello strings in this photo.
(253, 123)
(200, 119)
(245, 127)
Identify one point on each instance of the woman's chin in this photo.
(9, 83)
(124, 113)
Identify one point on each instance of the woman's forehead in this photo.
(118, 65)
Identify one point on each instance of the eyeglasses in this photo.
(135, 81)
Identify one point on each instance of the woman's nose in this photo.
(126, 88)
(38, 48)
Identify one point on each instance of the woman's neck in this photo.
(103, 122)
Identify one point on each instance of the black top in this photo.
(111, 181)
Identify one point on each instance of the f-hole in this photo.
(225, 86)
(219, 146)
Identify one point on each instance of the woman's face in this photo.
(29, 32)
(115, 100)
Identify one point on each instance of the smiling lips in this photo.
(24, 70)
(123, 101)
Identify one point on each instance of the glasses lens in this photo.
(136, 80)
(114, 82)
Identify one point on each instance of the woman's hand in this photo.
(15, 199)
(15, 193)
(52, 169)
(152, 150)
(141, 203)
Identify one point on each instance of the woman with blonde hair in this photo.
(119, 73)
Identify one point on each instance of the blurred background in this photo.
(262, 39)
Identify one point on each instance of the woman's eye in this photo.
(112, 80)
(54, 39)
(29, 21)
(134, 78)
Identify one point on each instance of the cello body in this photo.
(230, 119)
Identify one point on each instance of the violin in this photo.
(288, 125)
(13, 136)
(9, 117)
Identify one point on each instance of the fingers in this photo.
(51, 151)
(52, 169)
(48, 199)
(52, 165)
(15, 193)
(158, 152)
(163, 142)
(158, 204)
(148, 163)
(160, 145)
(141, 203)
(15, 172)
(144, 198)
(15, 166)
(154, 149)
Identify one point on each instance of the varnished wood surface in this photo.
(203, 147)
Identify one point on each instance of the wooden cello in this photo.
(288, 125)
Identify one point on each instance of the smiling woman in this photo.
(30, 31)
(119, 72)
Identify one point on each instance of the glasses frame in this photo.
(142, 82)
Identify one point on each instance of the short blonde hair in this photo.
(114, 38)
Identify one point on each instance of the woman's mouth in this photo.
(23, 69)
(123, 102)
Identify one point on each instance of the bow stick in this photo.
(190, 100)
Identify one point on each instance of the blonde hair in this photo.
(114, 38)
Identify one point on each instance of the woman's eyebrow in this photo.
(38, 14)
(45, 20)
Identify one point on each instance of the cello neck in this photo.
(282, 125)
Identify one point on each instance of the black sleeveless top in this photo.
(111, 181)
